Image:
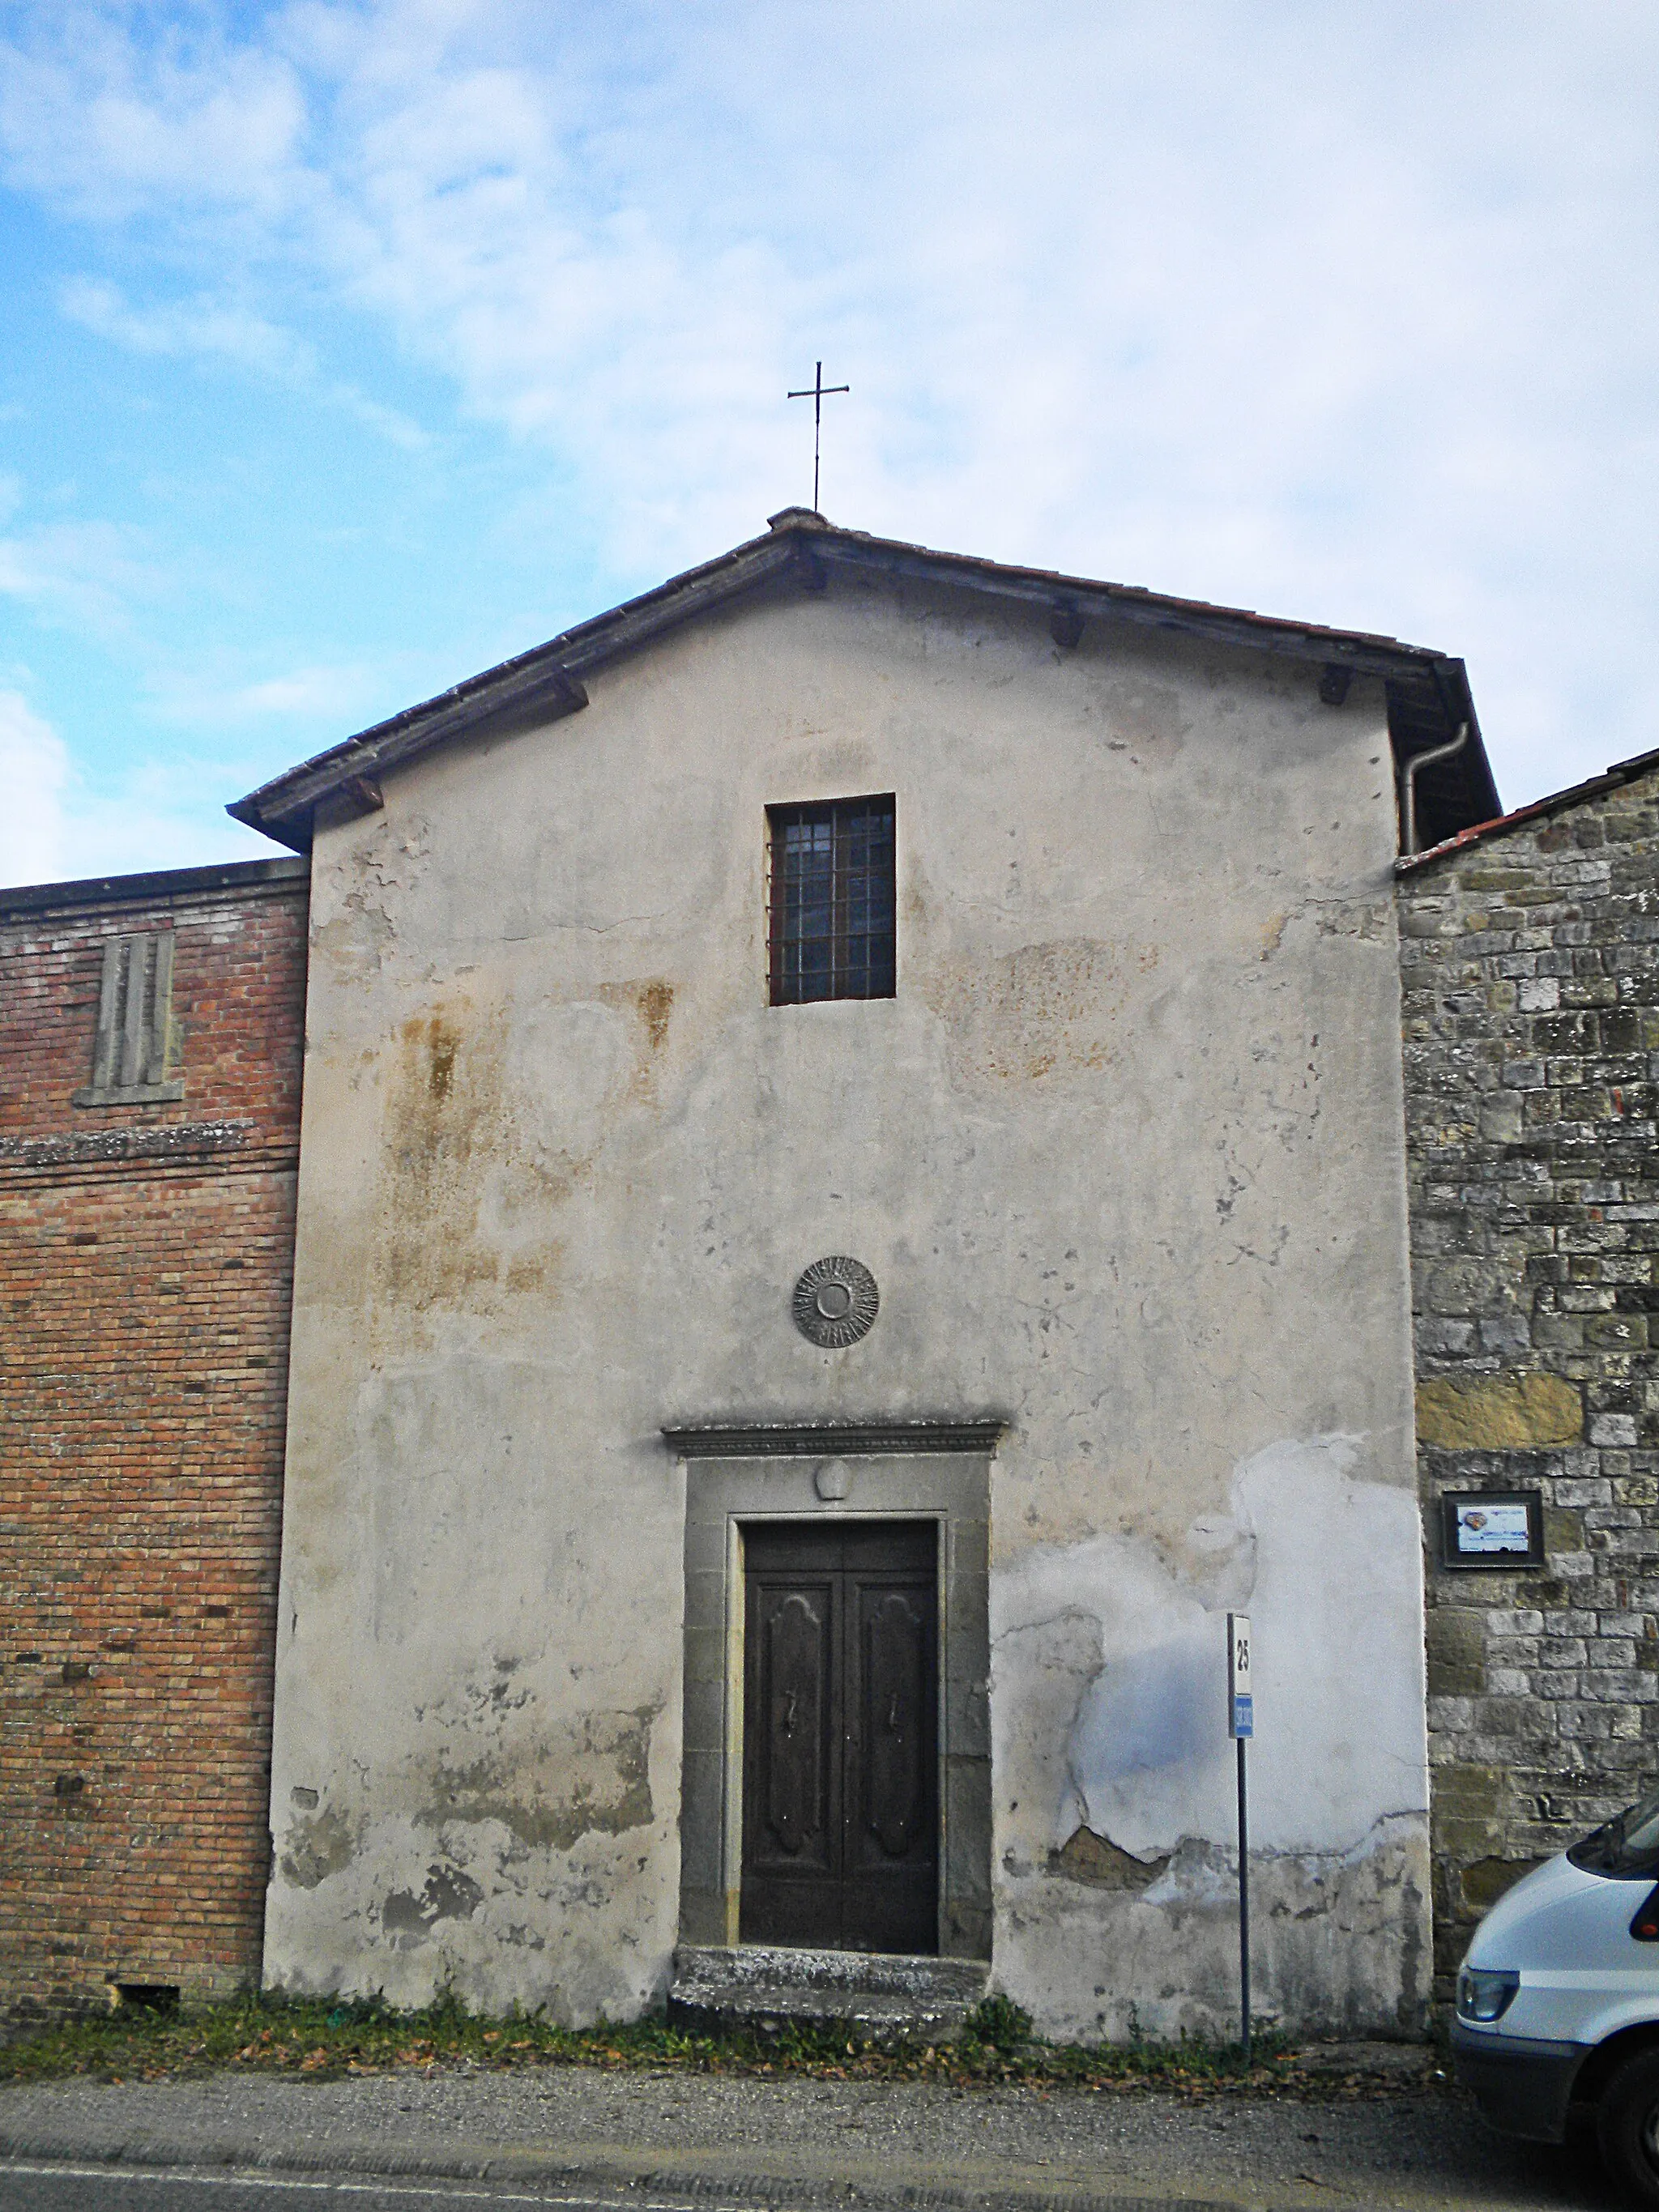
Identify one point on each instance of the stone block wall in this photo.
(1531, 1012)
(145, 1271)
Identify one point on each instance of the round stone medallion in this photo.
(836, 1302)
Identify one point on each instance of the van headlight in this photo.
(1486, 1993)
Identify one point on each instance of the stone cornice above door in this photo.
(818, 1439)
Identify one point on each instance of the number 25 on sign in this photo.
(1240, 1705)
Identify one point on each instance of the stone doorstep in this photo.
(762, 1988)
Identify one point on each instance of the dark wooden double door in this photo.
(840, 1764)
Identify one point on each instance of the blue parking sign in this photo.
(1240, 1705)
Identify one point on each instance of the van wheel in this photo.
(1627, 2127)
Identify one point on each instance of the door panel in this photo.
(895, 1685)
(841, 1844)
(889, 1838)
(795, 1739)
(792, 1766)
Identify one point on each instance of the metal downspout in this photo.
(1409, 784)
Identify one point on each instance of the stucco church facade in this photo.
(852, 1203)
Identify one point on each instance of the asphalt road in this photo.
(578, 2136)
(25, 2188)
(35, 2187)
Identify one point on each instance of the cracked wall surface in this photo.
(1124, 1155)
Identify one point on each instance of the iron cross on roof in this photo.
(816, 392)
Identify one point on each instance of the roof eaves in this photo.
(1365, 651)
(1556, 802)
(1411, 673)
(548, 676)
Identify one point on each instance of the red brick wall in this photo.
(145, 1270)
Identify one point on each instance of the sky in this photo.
(351, 346)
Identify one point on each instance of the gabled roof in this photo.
(1558, 802)
(1428, 693)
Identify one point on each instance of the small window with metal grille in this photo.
(830, 901)
(133, 1049)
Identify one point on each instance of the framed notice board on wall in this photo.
(1497, 1530)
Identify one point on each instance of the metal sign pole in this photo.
(1241, 1724)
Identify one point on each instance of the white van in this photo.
(1558, 2000)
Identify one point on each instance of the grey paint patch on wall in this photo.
(592, 1777)
(315, 1848)
(448, 1895)
(1145, 1710)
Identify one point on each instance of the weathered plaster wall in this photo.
(1531, 1003)
(1125, 1154)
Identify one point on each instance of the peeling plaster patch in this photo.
(1367, 919)
(448, 1895)
(356, 941)
(316, 1848)
(1099, 1862)
(357, 937)
(592, 1776)
(1338, 1940)
(1110, 1653)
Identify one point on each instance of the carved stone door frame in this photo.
(938, 1471)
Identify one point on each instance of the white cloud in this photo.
(33, 775)
(109, 125)
(1344, 313)
(86, 574)
(57, 823)
(206, 328)
(331, 696)
(197, 326)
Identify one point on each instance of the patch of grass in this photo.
(326, 2039)
(1000, 2023)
